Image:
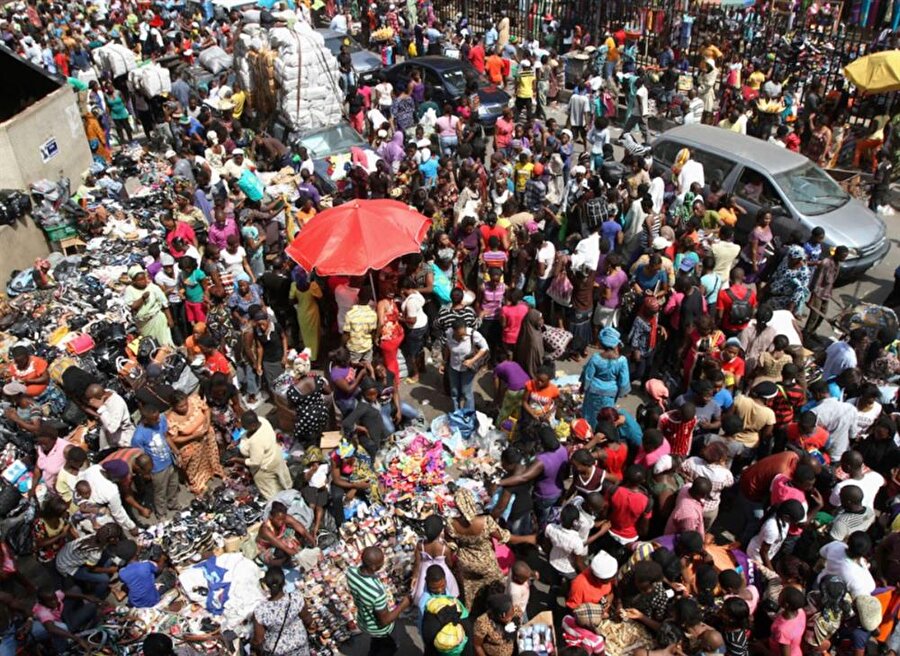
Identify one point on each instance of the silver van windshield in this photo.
(811, 190)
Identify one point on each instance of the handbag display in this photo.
(80, 344)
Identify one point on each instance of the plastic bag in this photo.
(464, 421)
(251, 185)
(19, 535)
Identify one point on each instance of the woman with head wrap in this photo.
(392, 151)
(789, 285)
(473, 531)
(605, 376)
(149, 307)
(244, 296)
(432, 551)
(215, 153)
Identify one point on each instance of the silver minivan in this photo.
(800, 194)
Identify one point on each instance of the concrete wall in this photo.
(20, 243)
(54, 118)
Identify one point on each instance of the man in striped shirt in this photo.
(370, 596)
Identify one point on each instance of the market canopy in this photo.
(357, 236)
(876, 73)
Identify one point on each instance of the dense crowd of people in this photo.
(747, 505)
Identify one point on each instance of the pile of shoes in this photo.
(203, 527)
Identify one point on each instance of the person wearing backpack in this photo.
(735, 305)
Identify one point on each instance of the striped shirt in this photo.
(76, 554)
(846, 523)
(370, 596)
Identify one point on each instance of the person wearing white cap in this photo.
(167, 280)
(238, 163)
(526, 89)
(595, 584)
(659, 246)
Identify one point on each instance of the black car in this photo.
(447, 79)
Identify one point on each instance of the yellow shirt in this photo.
(525, 84)
(756, 79)
(297, 221)
(238, 98)
(612, 54)
(523, 173)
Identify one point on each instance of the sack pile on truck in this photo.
(215, 60)
(289, 71)
(152, 79)
(115, 59)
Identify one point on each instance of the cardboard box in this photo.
(544, 617)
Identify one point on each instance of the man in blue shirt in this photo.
(150, 437)
(490, 39)
(139, 577)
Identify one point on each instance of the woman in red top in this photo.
(611, 454)
(732, 363)
(30, 370)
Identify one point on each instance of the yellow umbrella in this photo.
(877, 73)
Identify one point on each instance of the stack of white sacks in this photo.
(150, 78)
(114, 58)
(306, 73)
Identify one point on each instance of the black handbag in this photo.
(9, 499)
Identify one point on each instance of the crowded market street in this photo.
(449, 327)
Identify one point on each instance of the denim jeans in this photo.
(462, 388)
(407, 412)
(542, 508)
(448, 144)
(92, 583)
(8, 642)
(247, 376)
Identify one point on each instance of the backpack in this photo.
(741, 311)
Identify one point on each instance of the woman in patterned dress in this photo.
(472, 532)
(276, 631)
(192, 437)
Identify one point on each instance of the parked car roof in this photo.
(438, 62)
(774, 159)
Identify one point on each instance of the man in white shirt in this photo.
(579, 115)
(544, 257)
(691, 172)
(341, 23)
(235, 166)
(694, 113)
(837, 417)
(867, 481)
(640, 110)
(105, 492)
(116, 427)
(841, 355)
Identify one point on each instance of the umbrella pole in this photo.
(372, 283)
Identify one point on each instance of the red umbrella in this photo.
(357, 236)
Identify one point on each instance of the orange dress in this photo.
(37, 367)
